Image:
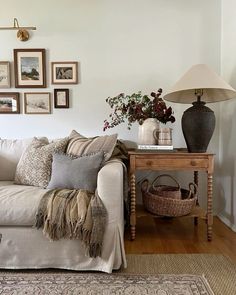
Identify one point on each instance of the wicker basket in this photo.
(170, 207)
(166, 191)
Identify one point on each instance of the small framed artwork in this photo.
(37, 103)
(9, 103)
(29, 67)
(5, 78)
(61, 98)
(64, 72)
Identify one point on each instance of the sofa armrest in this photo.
(110, 189)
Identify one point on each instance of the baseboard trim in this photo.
(227, 222)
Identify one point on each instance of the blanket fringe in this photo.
(73, 214)
(86, 236)
(94, 250)
(39, 220)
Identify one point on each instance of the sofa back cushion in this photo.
(80, 145)
(34, 167)
(10, 153)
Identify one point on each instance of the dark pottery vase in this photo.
(198, 124)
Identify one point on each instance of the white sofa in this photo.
(23, 246)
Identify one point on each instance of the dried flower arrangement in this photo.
(137, 108)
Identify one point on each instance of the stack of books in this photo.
(155, 147)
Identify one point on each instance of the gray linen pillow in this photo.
(79, 145)
(34, 167)
(75, 172)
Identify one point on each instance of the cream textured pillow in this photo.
(34, 167)
(79, 145)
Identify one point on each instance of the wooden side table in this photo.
(176, 160)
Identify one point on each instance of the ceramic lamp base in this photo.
(198, 124)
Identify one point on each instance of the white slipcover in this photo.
(10, 153)
(22, 246)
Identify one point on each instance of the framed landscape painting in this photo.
(37, 103)
(5, 79)
(29, 66)
(9, 103)
(61, 98)
(64, 72)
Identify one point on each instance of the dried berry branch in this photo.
(137, 108)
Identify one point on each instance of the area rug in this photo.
(68, 284)
(172, 274)
(219, 270)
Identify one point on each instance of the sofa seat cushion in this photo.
(19, 203)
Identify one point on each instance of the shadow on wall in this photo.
(226, 178)
(226, 191)
(233, 79)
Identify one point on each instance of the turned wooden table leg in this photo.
(209, 207)
(132, 207)
(196, 182)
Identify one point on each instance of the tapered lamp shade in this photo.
(197, 86)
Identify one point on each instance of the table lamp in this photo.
(198, 86)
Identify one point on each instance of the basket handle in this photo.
(193, 190)
(165, 175)
(144, 185)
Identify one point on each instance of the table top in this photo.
(175, 152)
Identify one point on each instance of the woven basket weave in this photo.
(166, 191)
(170, 207)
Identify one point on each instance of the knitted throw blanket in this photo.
(73, 214)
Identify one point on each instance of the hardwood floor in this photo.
(180, 235)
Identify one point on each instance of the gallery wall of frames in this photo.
(30, 72)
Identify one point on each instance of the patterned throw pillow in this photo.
(75, 172)
(34, 167)
(79, 145)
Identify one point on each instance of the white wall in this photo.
(122, 46)
(227, 165)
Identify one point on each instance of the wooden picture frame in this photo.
(65, 72)
(9, 103)
(61, 98)
(37, 103)
(5, 77)
(30, 68)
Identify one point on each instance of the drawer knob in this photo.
(149, 163)
(193, 163)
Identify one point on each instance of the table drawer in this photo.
(170, 163)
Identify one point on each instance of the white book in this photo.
(155, 147)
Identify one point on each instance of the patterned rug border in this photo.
(219, 270)
(71, 273)
(197, 284)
